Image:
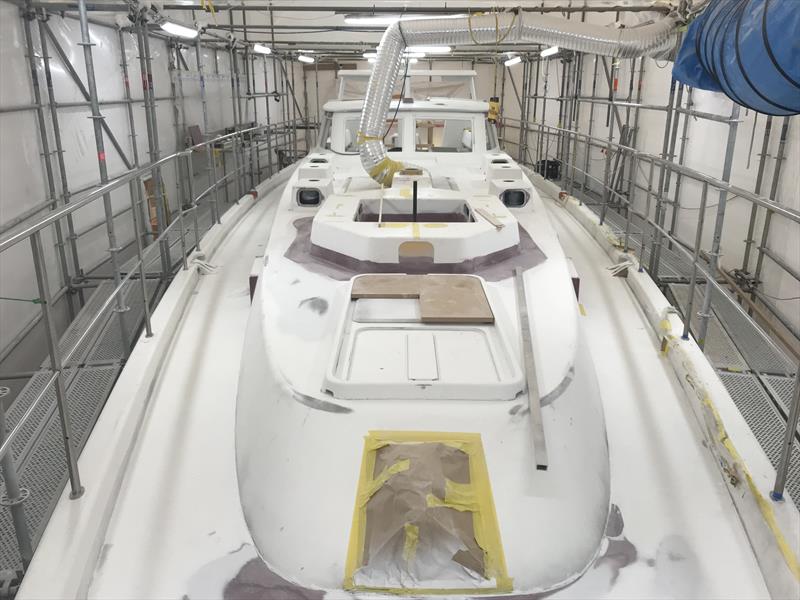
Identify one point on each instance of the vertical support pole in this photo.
(76, 489)
(634, 170)
(96, 117)
(762, 161)
(316, 93)
(27, 16)
(612, 93)
(176, 93)
(211, 167)
(788, 438)
(543, 147)
(698, 239)
(138, 224)
(663, 177)
(716, 241)
(629, 211)
(773, 193)
(193, 205)
(681, 157)
(152, 141)
(270, 167)
(523, 112)
(586, 157)
(59, 152)
(135, 185)
(645, 224)
(15, 497)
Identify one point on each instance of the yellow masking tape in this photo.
(410, 542)
(475, 497)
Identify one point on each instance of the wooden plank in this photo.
(454, 299)
(490, 217)
(534, 400)
(386, 286)
(450, 299)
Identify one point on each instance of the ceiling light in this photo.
(414, 54)
(413, 61)
(370, 55)
(179, 30)
(261, 49)
(513, 61)
(307, 51)
(430, 49)
(372, 19)
(549, 51)
(305, 59)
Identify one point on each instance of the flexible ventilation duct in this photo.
(656, 39)
(747, 49)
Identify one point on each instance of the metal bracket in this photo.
(24, 494)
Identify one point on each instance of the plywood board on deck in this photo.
(442, 298)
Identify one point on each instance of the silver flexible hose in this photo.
(654, 39)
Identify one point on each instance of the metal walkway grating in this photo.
(758, 377)
(766, 423)
(719, 347)
(39, 451)
(671, 265)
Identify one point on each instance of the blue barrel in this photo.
(747, 49)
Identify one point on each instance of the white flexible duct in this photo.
(649, 40)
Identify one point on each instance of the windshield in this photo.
(443, 135)
(393, 138)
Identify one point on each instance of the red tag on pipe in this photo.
(101, 156)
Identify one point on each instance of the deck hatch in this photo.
(424, 520)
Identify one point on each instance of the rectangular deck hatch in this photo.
(424, 520)
(421, 337)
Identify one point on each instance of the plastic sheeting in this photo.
(747, 49)
(424, 519)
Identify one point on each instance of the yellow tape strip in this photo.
(740, 470)
(410, 542)
(361, 138)
(386, 169)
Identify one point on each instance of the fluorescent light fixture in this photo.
(307, 51)
(367, 19)
(414, 54)
(371, 19)
(413, 61)
(305, 59)
(430, 49)
(549, 51)
(179, 30)
(370, 55)
(513, 61)
(261, 49)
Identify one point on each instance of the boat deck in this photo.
(178, 529)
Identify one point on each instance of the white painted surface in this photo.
(181, 482)
(180, 489)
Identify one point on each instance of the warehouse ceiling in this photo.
(339, 29)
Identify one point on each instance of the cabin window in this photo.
(444, 135)
(309, 197)
(393, 138)
(514, 198)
